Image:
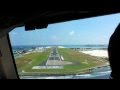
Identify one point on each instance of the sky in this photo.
(95, 30)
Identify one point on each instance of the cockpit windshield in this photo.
(69, 50)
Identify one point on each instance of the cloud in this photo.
(14, 33)
(72, 33)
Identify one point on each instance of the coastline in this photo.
(96, 53)
(94, 71)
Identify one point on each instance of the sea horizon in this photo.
(90, 46)
(68, 45)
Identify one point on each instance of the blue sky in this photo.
(95, 30)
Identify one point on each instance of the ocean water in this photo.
(27, 47)
(86, 46)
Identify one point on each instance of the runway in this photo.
(54, 55)
(54, 58)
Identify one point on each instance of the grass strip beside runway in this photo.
(81, 63)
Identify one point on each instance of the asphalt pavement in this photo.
(54, 55)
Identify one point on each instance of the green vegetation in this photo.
(81, 63)
(26, 62)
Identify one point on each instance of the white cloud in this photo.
(71, 33)
(14, 33)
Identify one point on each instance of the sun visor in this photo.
(35, 25)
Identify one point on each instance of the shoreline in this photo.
(96, 53)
